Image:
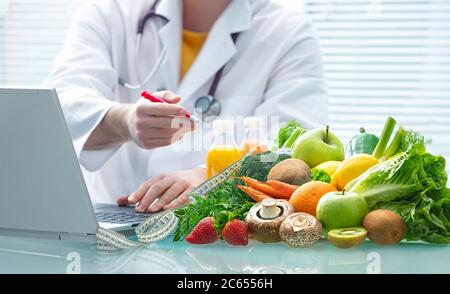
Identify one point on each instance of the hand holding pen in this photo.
(153, 98)
(160, 123)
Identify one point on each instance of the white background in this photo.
(382, 57)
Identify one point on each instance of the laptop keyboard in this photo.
(120, 218)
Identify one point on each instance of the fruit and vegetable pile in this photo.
(387, 189)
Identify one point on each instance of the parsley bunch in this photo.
(224, 203)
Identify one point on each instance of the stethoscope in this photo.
(208, 105)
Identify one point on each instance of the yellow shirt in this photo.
(191, 45)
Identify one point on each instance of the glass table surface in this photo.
(20, 255)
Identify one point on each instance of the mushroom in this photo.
(264, 219)
(300, 230)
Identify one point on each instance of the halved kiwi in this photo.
(347, 237)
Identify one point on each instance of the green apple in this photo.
(337, 210)
(318, 146)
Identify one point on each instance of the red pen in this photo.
(149, 96)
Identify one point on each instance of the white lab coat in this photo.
(274, 69)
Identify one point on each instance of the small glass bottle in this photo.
(224, 150)
(255, 139)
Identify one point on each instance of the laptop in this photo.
(42, 189)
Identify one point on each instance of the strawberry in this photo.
(235, 232)
(203, 232)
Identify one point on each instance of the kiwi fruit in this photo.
(348, 237)
(291, 171)
(384, 227)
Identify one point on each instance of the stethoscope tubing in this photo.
(162, 56)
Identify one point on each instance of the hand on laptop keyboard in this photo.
(171, 190)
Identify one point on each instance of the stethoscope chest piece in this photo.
(209, 107)
(203, 103)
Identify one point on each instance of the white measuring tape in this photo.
(159, 226)
(155, 228)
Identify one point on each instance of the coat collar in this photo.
(170, 35)
(217, 51)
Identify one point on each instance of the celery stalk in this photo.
(395, 145)
(293, 137)
(384, 138)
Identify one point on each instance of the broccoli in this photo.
(258, 166)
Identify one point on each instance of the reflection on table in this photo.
(43, 256)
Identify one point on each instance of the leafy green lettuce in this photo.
(285, 132)
(426, 215)
(320, 175)
(390, 180)
(413, 184)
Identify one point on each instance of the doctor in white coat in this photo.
(126, 144)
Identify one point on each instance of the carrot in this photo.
(263, 187)
(256, 195)
(283, 188)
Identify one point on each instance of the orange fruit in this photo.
(306, 197)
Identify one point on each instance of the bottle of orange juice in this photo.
(224, 150)
(254, 139)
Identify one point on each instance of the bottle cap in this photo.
(254, 123)
(223, 126)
